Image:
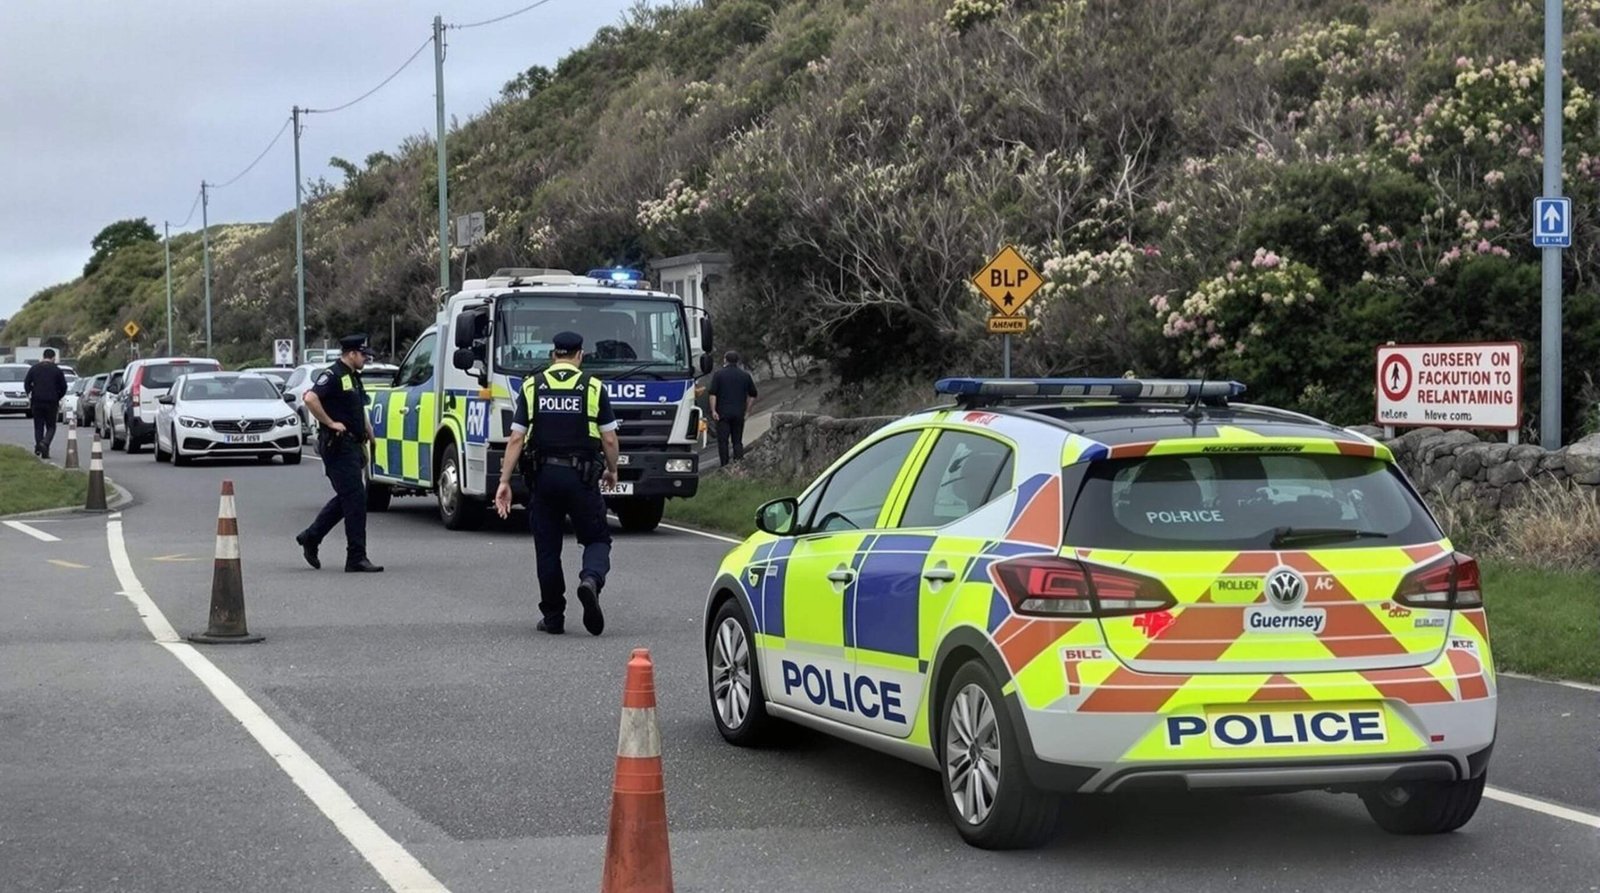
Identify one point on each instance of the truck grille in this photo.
(644, 424)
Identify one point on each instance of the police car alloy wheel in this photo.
(987, 793)
(737, 700)
(1425, 807)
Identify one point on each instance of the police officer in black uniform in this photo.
(567, 416)
(339, 403)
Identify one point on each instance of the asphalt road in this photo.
(486, 749)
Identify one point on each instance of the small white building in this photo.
(692, 277)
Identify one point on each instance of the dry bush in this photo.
(1555, 526)
(1468, 524)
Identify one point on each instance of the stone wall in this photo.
(800, 445)
(1456, 466)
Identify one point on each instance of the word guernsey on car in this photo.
(1083, 586)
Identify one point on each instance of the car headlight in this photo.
(188, 422)
(288, 420)
(680, 466)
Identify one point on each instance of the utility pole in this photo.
(1550, 268)
(166, 244)
(444, 189)
(205, 241)
(299, 250)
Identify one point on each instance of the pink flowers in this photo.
(1265, 260)
(1494, 178)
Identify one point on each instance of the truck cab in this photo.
(442, 425)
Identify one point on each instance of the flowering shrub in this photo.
(963, 15)
(1240, 310)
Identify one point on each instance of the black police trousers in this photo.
(44, 423)
(559, 492)
(342, 461)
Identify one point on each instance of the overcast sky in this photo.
(112, 109)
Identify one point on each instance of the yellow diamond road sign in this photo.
(1008, 281)
(131, 329)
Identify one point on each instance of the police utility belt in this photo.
(588, 468)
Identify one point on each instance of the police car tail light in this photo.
(1062, 587)
(1451, 582)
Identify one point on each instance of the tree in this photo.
(528, 84)
(115, 237)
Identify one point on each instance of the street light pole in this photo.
(444, 189)
(205, 241)
(166, 244)
(299, 251)
(1550, 262)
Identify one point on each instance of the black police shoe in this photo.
(589, 596)
(363, 566)
(308, 547)
(553, 627)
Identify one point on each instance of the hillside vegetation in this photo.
(1259, 189)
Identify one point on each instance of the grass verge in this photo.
(1542, 621)
(727, 503)
(28, 485)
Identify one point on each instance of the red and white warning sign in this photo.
(1451, 385)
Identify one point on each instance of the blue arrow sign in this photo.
(1552, 223)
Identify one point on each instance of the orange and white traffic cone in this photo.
(227, 626)
(72, 443)
(95, 500)
(638, 859)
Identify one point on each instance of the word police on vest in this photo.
(1204, 516)
(1281, 729)
(854, 693)
(560, 403)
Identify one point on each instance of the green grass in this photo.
(728, 504)
(1541, 622)
(1544, 622)
(28, 485)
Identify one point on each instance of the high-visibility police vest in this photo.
(563, 411)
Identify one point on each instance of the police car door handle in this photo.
(939, 574)
(842, 575)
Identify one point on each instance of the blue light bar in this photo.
(1111, 388)
(616, 274)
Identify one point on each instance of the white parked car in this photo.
(12, 396)
(69, 403)
(144, 381)
(220, 414)
(299, 382)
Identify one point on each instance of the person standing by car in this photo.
(566, 417)
(733, 394)
(45, 385)
(339, 404)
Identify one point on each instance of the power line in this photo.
(191, 211)
(253, 164)
(508, 15)
(380, 86)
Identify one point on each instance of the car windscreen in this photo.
(162, 375)
(228, 389)
(620, 334)
(1239, 501)
(12, 373)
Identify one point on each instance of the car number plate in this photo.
(623, 488)
(244, 438)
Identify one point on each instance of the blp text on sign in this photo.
(1450, 385)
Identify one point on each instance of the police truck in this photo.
(441, 427)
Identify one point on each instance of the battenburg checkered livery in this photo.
(1100, 585)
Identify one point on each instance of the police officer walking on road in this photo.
(339, 403)
(565, 416)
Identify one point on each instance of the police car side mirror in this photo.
(464, 358)
(778, 516)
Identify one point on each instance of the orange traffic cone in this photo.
(95, 499)
(637, 856)
(227, 626)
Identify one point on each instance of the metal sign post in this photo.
(1550, 263)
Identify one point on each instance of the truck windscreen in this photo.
(637, 335)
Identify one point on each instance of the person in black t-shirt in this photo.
(733, 394)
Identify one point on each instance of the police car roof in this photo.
(1116, 423)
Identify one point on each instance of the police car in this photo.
(1100, 585)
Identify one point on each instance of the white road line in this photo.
(710, 536)
(32, 531)
(1541, 806)
(1565, 683)
(401, 870)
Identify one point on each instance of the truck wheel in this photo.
(640, 515)
(457, 510)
